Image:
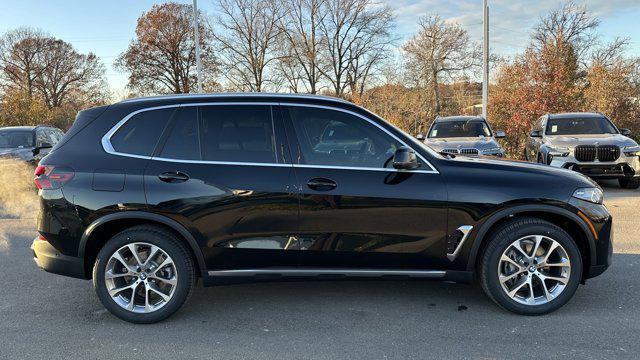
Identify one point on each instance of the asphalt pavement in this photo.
(45, 316)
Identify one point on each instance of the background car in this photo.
(588, 143)
(28, 143)
(466, 135)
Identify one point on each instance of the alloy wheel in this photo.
(534, 270)
(141, 277)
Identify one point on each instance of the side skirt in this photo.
(221, 277)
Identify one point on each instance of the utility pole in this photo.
(197, 38)
(485, 57)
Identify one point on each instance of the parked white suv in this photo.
(588, 143)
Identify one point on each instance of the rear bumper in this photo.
(51, 260)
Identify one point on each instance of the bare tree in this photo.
(289, 71)
(440, 51)
(356, 35)
(300, 28)
(248, 36)
(20, 53)
(161, 58)
(571, 24)
(66, 73)
(38, 65)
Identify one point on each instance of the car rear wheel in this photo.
(530, 267)
(629, 183)
(143, 274)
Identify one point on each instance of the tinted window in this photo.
(574, 126)
(330, 137)
(182, 141)
(238, 133)
(16, 139)
(140, 134)
(449, 129)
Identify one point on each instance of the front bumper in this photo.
(624, 167)
(51, 260)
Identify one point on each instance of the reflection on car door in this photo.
(219, 169)
(356, 210)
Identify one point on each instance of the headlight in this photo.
(632, 150)
(593, 195)
(559, 151)
(491, 150)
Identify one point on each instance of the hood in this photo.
(462, 142)
(601, 139)
(18, 153)
(529, 167)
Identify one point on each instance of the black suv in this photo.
(28, 143)
(147, 195)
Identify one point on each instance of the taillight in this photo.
(49, 177)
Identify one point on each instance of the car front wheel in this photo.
(530, 267)
(143, 274)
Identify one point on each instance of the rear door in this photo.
(220, 171)
(355, 209)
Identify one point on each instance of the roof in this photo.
(213, 96)
(18, 128)
(573, 115)
(458, 118)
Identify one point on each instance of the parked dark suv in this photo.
(28, 143)
(147, 195)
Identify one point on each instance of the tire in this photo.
(501, 241)
(629, 183)
(180, 269)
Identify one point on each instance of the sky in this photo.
(107, 27)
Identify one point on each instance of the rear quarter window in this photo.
(140, 134)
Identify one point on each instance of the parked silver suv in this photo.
(588, 143)
(465, 135)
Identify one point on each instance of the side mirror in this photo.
(44, 145)
(536, 134)
(500, 134)
(625, 132)
(405, 158)
(421, 137)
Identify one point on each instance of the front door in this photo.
(219, 170)
(356, 210)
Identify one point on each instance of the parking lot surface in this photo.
(46, 316)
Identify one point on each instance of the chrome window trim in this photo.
(108, 147)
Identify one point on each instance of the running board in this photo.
(433, 274)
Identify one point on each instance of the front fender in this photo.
(480, 235)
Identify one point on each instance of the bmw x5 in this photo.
(148, 195)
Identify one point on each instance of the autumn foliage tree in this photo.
(161, 58)
(557, 73)
(46, 80)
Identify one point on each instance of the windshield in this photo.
(575, 126)
(468, 128)
(16, 139)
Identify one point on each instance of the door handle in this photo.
(173, 177)
(321, 184)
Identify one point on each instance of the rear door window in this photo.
(140, 134)
(237, 133)
(182, 141)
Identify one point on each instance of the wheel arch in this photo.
(100, 230)
(567, 220)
